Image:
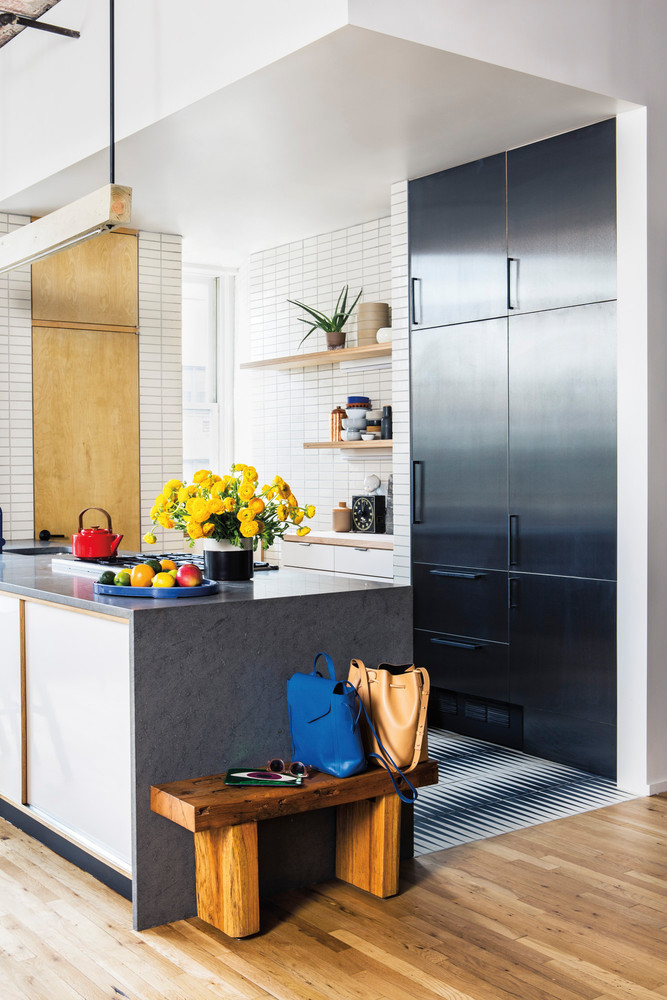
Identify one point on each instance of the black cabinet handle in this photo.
(417, 492)
(513, 540)
(416, 289)
(457, 576)
(458, 645)
(512, 592)
(512, 283)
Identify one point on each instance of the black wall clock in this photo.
(368, 514)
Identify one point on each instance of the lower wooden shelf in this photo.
(348, 444)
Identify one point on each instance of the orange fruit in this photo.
(164, 580)
(167, 564)
(141, 575)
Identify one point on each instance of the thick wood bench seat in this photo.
(224, 819)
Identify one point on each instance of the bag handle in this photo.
(404, 798)
(421, 720)
(330, 665)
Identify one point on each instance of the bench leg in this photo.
(367, 844)
(227, 878)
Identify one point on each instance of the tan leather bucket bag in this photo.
(396, 699)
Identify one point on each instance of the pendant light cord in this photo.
(112, 95)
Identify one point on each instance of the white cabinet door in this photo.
(78, 697)
(307, 555)
(364, 561)
(10, 699)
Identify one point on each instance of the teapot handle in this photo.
(101, 510)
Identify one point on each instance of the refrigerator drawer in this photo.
(465, 665)
(461, 601)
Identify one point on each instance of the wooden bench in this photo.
(224, 822)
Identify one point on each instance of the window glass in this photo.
(200, 336)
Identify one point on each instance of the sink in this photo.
(42, 550)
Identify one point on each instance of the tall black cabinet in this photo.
(514, 445)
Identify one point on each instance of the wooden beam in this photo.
(100, 211)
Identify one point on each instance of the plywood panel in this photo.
(95, 282)
(86, 430)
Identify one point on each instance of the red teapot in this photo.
(95, 542)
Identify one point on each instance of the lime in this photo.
(107, 577)
(154, 565)
(122, 578)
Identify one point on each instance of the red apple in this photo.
(189, 575)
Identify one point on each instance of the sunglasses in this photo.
(296, 768)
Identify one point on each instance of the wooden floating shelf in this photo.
(348, 444)
(366, 353)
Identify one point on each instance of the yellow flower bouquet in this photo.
(229, 508)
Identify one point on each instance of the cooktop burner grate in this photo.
(93, 567)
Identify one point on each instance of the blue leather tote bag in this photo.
(324, 722)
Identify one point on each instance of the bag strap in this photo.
(363, 681)
(404, 798)
(421, 719)
(330, 665)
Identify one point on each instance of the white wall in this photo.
(276, 411)
(46, 128)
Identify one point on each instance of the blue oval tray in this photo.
(207, 587)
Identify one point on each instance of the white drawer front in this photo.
(364, 562)
(308, 556)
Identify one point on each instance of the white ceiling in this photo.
(313, 142)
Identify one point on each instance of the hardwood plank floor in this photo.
(575, 909)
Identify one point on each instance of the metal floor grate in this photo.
(485, 789)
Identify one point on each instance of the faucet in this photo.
(2, 541)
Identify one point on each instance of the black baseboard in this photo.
(121, 884)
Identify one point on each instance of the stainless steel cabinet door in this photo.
(562, 441)
(459, 428)
(561, 203)
(458, 244)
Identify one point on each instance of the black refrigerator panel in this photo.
(458, 244)
(470, 666)
(461, 600)
(459, 444)
(563, 642)
(561, 221)
(562, 442)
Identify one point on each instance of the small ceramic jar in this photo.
(341, 517)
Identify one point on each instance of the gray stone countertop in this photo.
(32, 576)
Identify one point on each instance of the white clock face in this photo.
(363, 514)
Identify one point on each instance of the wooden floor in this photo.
(572, 909)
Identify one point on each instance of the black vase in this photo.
(228, 564)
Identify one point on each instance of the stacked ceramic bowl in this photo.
(355, 423)
(373, 418)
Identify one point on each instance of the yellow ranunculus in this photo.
(173, 484)
(244, 514)
(150, 538)
(277, 481)
(292, 500)
(214, 479)
(216, 505)
(261, 526)
(207, 529)
(250, 474)
(303, 531)
(200, 476)
(297, 518)
(189, 506)
(226, 480)
(155, 511)
(257, 505)
(194, 529)
(229, 504)
(200, 509)
(239, 467)
(184, 494)
(310, 510)
(164, 521)
(281, 512)
(246, 491)
(218, 488)
(249, 528)
(284, 490)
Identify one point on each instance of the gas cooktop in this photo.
(93, 567)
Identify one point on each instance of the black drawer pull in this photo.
(457, 576)
(458, 645)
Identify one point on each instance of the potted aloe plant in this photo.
(331, 325)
